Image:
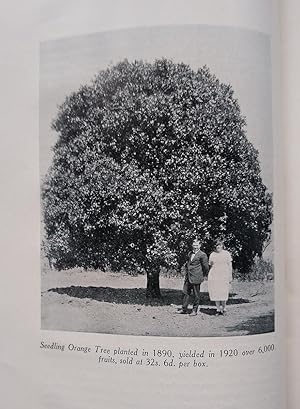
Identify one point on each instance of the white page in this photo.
(61, 379)
(290, 103)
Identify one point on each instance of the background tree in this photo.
(150, 155)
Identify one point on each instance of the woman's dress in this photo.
(220, 275)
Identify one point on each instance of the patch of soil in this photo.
(98, 302)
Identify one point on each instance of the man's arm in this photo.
(204, 263)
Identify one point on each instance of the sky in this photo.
(236, 56)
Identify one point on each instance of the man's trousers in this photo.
(188, 289)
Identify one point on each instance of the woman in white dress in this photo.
(219, 276)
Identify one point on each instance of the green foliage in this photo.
(148, 157)
(260, 270)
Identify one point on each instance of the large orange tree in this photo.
(148, 156)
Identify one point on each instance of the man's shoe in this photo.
(193, 313)
(181, 311)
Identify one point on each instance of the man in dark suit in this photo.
(195, 269)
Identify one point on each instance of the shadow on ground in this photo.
(134, 295)
(209, 311)
(256, 325)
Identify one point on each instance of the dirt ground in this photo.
(98, 302)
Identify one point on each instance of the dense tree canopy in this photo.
(148, 156)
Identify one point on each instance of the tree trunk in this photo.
(153, 290)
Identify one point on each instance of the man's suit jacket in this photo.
(196, 268)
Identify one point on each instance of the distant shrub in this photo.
(261, 270)
(171, 272)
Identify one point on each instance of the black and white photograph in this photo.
(156, 182)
